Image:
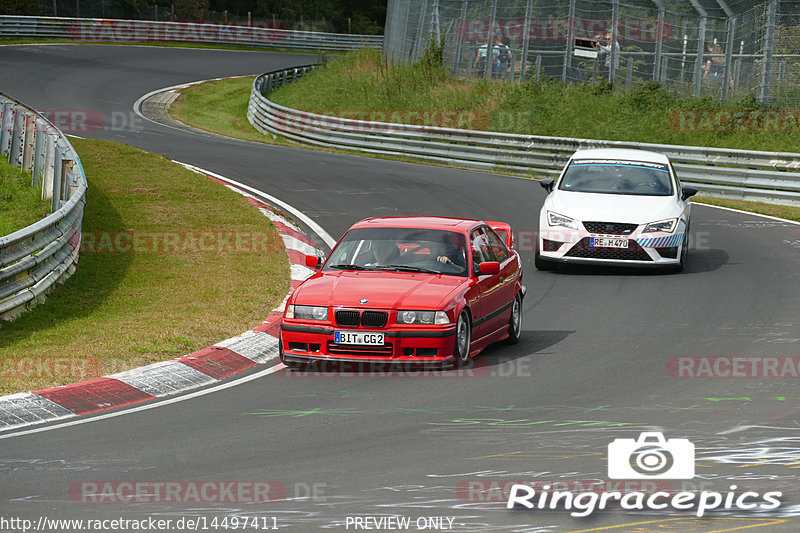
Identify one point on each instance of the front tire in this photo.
(515, 321)
(463, 339)
(684, 252)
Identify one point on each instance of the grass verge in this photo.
(361, 85)
(171, 262)
(20, 204)
(218, 107)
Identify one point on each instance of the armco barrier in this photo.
(759, 176)
(137, 31)
(34, 259)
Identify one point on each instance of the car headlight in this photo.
(667, 226)
(422, 317)
(554, 219)
(307, 312)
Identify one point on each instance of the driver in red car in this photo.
(448, 254)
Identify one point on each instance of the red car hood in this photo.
(383, 290)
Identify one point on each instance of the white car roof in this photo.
(624, 154)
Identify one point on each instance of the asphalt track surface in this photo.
(591, 366)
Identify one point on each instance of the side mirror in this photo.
(687, 192)
(547, 184)
(313, 261)
(489, 268)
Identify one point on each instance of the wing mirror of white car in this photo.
(313, 261)
(687, 192)
(547, 184)
(489, 268)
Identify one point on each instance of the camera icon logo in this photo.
(651, 457)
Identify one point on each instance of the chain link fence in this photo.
(702, 47)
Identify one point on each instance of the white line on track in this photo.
(747, 213)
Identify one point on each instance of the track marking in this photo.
(748, 213)
(191, 395)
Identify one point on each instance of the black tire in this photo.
(540, 263)
(681, 266)
(463, 339)
(515, 321)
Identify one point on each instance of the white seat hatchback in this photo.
(616, 207)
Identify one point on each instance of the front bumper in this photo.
(566, 245)
(301, 342)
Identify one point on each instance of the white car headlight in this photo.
(307, 312)
(554, 219)
(667, 226)
(422, 317)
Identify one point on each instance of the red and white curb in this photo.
(204, 367)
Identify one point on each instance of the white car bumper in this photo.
(633, 249)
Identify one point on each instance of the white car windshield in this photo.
(402, 250)
(603, 176)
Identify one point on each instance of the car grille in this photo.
(367, 319)
(633, 252)
(348, 319)
(380, 351)
(374, 319)
(609, 228)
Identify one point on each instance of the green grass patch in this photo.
(781, 211)
(363, 81)
(362, 85)
(125, 307)
(20, 204)
(219, 107)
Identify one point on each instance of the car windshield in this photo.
(401, 250)
(617, 177)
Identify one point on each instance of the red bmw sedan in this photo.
(407, 290)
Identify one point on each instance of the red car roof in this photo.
(426, 222)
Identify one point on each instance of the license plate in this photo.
(608, 243)
(364, 338)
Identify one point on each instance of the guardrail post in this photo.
(69, 179)
(38, 151)
(28, 141)
(5, 126)
(58, 170)
(18, 121)
(49, 165)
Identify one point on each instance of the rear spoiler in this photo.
(503, 230)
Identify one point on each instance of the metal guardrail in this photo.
(34, 259)
(137, 31)
(758, 176)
